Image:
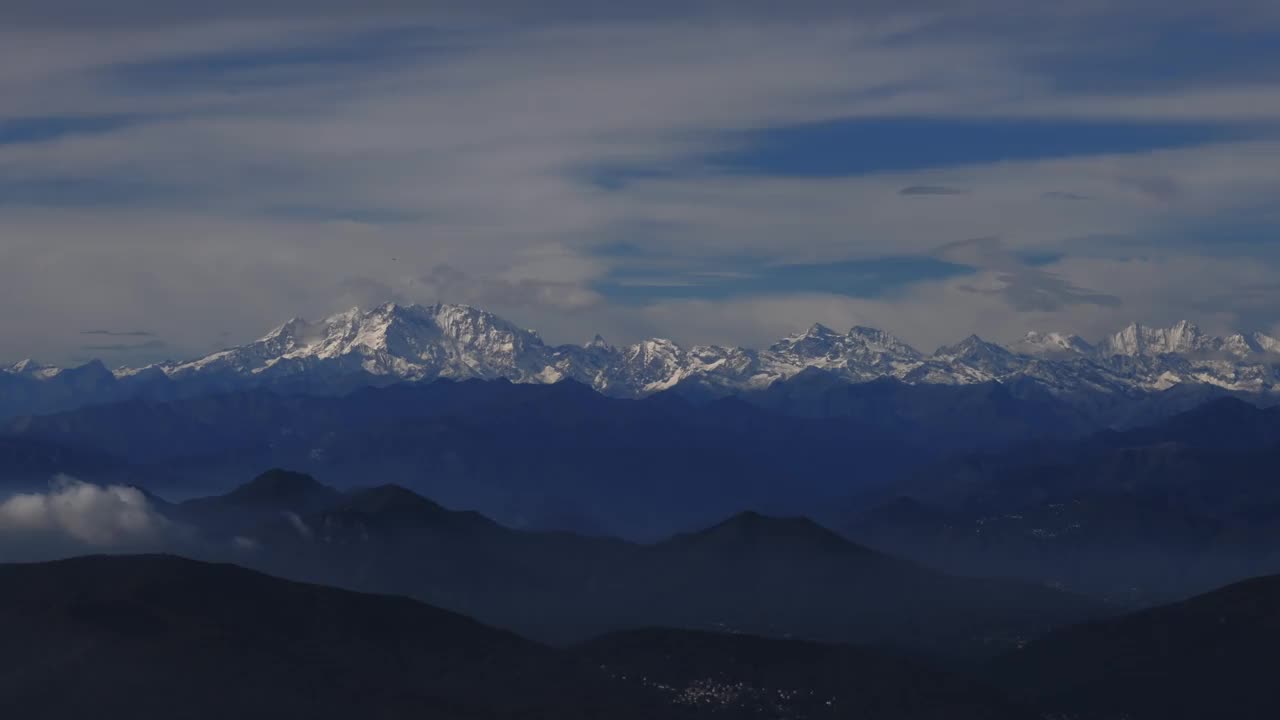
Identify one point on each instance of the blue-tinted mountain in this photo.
(751, 573)
(1155, 513)
(269, 496)
(521, 453)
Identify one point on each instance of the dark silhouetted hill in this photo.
(1208, 657)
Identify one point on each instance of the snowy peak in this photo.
(1187, 340)
(395, 343)
(32, 369)
(879, 341)
(974, 353)
(1252, 346)
(972, 347)
(1142, 341)
(817, 340)
(860, 343)
(1266, 343)
(1053, 345)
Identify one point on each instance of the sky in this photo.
(177, 177)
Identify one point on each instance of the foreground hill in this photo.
(1208, 657)
(791, 679)
(163, 638)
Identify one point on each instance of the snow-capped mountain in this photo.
(394, 343)
(1054, 344)
(412, 342)
(1187, 340)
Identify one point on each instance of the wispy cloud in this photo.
(1024, 287)
(927, 190)
(125, 347)
(118, 333)
(1062, 195)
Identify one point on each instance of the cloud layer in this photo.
(207, 172)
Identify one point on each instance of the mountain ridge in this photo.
(397, 343)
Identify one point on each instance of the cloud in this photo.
(115, 333)
(1024, 287)
(1164, 188)
(446, 283)
(207, 173)
(75, 516)
(126, 347)
(870, 277)
(926, 190)
(1158, 291)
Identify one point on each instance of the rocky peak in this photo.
(1138, 340)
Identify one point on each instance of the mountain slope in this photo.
(163, 637)
(792, 679)
(1150, 514)
(274, 494)
(1210, 656)
(160, 637)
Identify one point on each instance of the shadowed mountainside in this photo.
(164, 637)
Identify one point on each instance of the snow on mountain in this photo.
(1140, 340)
(32, 369)
(974, 353)
(1255, 345)
(1053, 345)
(393, 343)
(405, 342)
(861, 354)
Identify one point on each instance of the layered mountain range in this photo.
(394, 343)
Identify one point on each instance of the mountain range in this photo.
(562, 456)
(395, 343)
(1142, 515)
(748, 573)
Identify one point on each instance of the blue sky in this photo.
(710, 172)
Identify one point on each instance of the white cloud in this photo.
(78, 516)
